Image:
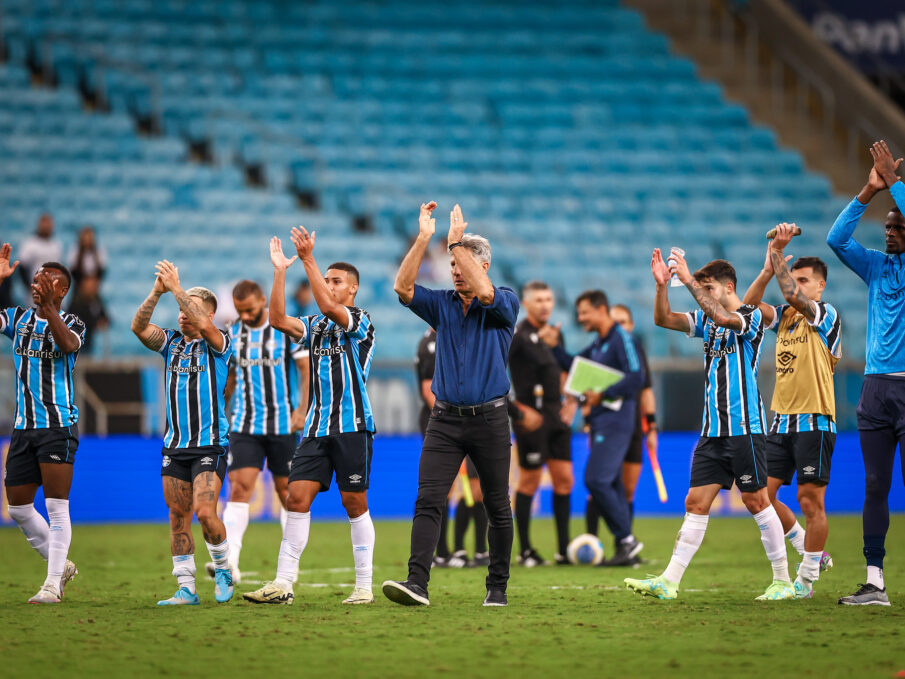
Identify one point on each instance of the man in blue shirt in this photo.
(881, 410)
(732, 444)
(195, 446)
(611, 427)
(45, 344)
(339, 428)
(474, 323)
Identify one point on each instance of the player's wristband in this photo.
(457, 244)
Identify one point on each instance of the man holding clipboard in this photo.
(608, 374)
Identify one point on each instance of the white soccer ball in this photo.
(585, 548)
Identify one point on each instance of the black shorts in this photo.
(807, 452)
(28, 448)
(882, 404)
(248, 450)
(186, 463)
(635, 447)
(553, 440)
(724, 459)
(348, 455)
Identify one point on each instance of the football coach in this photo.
(474, 323)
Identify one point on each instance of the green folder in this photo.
(586, 374)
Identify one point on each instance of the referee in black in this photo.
(474, 324)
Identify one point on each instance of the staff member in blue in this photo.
(881, 410)
(611, 429)
(474, 324)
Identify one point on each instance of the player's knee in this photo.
(355, 504)
(877, 485)
(179, 516)
(296, 503)
(755, 502)
(563, 486)
(811, 502)
(205, 512)
(240, 491)
(695, 506)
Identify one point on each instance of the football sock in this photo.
(363, 549)
(184, 570)
(796, 537)
(774, 542)
(33, 526)
(562, 507)
(235, 518)
(460, 525)
(875, 577)
(219, 554)
(523, 520)
(591, 516)
(689, 539)
(480, 527)
(284, 515)
(809, 570)
(60, 537)
(295, 537)
(443, 543)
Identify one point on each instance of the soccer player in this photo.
(46, 343)
(732, 444)
(803, 433)
(271, 401)
(339, 428)
(541, 436)
(611, 428)
(881, 410)
(195, 445)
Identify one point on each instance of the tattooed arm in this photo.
(715, 311)
(150, 335)
(790, 289)
(195, 312)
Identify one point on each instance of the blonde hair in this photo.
(205, 295)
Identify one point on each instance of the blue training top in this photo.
(885, 278)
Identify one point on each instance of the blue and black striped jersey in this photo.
(732, 402)
(195, 380)
(266, 379)
(44, 388)
(340, 360)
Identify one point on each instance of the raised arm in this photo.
(151, 336)
(277, 313)
(6, 270)
(755, 293)
(473, 272)
(46, 287)
(663, 315)
(201, 319)
(790, 290)
(404, 285)
(326, 302)
(715, 311)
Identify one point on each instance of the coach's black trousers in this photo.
(484, 437)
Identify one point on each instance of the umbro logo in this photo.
(809, 470)
(784, 358)
(745, 479)
(207, 460)
(355, 478)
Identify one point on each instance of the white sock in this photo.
(33, 526)
(774, 543)
(60, 538)
(235, 518)
(796, 537)
(363, 549)
(690, 537)
(875, 577)
(284, 516)
(809, 570)
(295, 537)
(184, 570)
(219, 554)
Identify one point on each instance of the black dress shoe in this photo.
(496, 597)
(406, 593)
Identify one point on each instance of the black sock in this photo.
(523, 520)
(480, 527)
(562, 508)
(460, 525)
(443, 545)
(591, 516)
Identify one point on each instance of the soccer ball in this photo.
(585, 549)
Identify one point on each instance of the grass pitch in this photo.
(561, 621)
